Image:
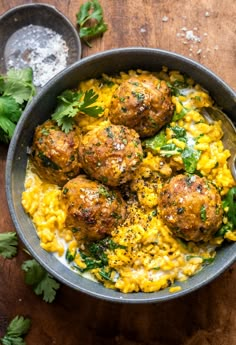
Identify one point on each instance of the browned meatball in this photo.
(191, 207)
(111, 154)
(93, 210)
(142, 103)
(55, 153)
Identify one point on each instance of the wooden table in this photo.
(207, 316)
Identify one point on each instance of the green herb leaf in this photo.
(95, 255)
(225, 228)
(169, 150)
(69, 256)
(176, 87)
(190, 159)
(230, 203)
(19, 85)
(179, 132)
(90, 20)
(106, 274)
(16, 90)
(156, 142)
(16, 330)
(178, 116)
(41, 281)
(70, 103)
(8, 244)
(203, 213)
(90, 97)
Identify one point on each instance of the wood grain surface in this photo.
(205, 317)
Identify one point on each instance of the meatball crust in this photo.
(93, 210)
(55, 153)
(191, 207)
(110, 154)
(142, 103)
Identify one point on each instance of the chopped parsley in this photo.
(203, 213)
(156, 142)
(94, 255)
(190, 156)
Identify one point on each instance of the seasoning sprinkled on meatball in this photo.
(111, 154)
(191, 207)
(55, 153)
(93, 210)
(142, 103)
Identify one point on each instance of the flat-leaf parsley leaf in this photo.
(16, 330)
(70, 103)
(90, 21)
(8, 244)
(41, 281)
(16, 90)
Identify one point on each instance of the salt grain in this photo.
(191, 37)
(142, 30)
(40, 48)
(165, 19)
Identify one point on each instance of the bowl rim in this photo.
(139, 297)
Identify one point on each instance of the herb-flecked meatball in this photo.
(93, 210)
(191, 207)
(55, 153)
(142, 103)
(111, 154)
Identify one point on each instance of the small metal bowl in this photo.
(37, 22)
(41, 108)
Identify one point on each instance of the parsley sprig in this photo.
(16, 90)
(70, 103)
(16, 330)
(90, 21)
(8, 244)
(41, 281)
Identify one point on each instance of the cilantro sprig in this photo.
(16, 331)
(8, 244)
(90, 21)
(41, 281)
(16, 90)
(70, 103)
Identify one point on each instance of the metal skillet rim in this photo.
(45, 260)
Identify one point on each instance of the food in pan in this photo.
(134, 189)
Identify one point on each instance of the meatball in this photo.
(110, 154)
(191, 207)
(55, 153)
(93, 210)
(142, 103)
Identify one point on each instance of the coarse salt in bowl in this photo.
(40, 37)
